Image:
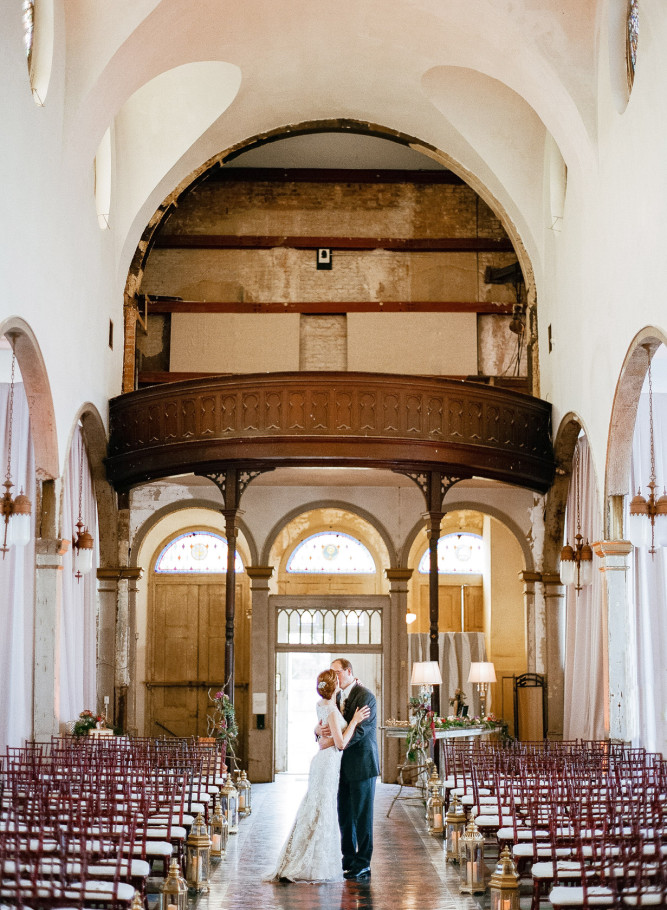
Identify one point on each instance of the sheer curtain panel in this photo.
(17, 579)
(585, 710)
(78, 621)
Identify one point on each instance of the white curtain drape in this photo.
(79, 599)
(647, 586)
(586, 708)
(457, 650)
(17, 578)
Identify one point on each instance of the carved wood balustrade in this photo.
(407, 423)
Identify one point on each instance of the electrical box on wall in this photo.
(323, 259)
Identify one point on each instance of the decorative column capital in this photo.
(398, 574)
(49, 548)
(259, 576)
(530, 577)
(613, 553)
(551, 579)
(118, 572)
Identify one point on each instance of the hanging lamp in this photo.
(15, 511)
(576, 562)
(82, 542)
(654, 531)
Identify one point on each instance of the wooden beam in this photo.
(278, 241)
(328, 307)
(157, 377)
(334, 175)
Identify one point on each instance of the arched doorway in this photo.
(328, 604)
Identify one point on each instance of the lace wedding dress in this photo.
(312, 851)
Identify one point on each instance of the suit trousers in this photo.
(355, 817)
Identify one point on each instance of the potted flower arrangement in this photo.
(88, 721)
(221, 722)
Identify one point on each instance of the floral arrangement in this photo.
(221, 720)
(88, 721)
(457, 722)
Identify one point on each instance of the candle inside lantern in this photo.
(437, 820)
(216, 843)
(171, 907)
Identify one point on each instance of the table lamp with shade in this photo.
(481, 674)
(425, 674)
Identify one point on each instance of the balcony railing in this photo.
(407, 423)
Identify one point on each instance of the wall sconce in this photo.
(641, 507)
(15, 511)
(425, 674)
(481, 674)
(82, 542)
(410, 617)
(576, 562)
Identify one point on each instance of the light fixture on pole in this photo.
(425, 674)
(641, 507)
(82, 542)
(15, 511)
(481, 674)
(576, 562)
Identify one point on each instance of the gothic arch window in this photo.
(331, 553)
(458, 554)
(632, 39)
(195, 553)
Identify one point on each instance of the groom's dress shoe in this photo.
(358, 874)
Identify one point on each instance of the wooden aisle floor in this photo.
(409, 871)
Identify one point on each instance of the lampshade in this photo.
(482, 672)
(410, 617)
(425, 673)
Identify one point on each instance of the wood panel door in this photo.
(449, 600)
(187, 626)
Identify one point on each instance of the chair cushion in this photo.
(598, 896)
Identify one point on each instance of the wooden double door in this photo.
(187, 652)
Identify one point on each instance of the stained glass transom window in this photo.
(329, 627)
(28, 27)
(331, 553)
(458, 554)
(632, 38)
(194, 553)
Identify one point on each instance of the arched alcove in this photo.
(38, 392)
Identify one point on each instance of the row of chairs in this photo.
(586, 821)
(84, 822)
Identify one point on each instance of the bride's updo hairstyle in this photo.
(326, 683)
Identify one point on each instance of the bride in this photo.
(311, 852)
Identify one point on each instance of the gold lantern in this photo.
(473, 872)
(229, 804)
(455, 822)
(174, 890)
(137, 903)
(198, 855)
(245, 795)
(219, 832)
(433, 785)
(504, 883)
(434, 814)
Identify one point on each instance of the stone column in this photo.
(554, 601)
(396, 681)
(614, 556)
(48, 607)
(262, 678)
(535, 631)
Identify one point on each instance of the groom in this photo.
(358, 772)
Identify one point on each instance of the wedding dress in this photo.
(311, 852)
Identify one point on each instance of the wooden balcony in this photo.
(405, 423)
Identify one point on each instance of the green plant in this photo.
(221, 720)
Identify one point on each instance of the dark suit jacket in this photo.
(360, 756)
